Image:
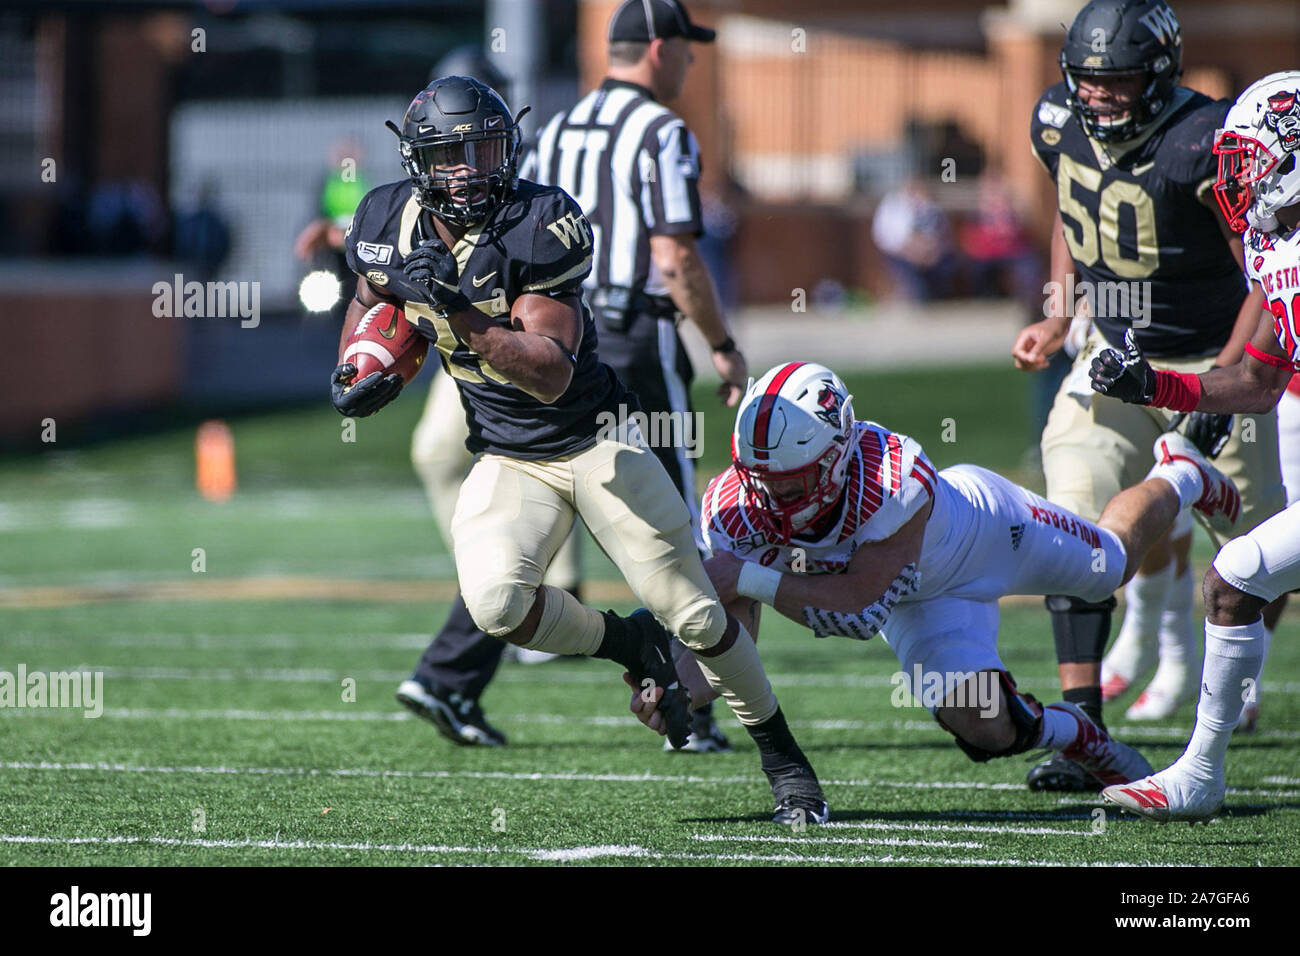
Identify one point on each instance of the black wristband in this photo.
(726, 345)
(563, 348)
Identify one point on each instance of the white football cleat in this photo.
(1174, 685)
(1168, 796)
(524, 655)
(1113, 684)
(1098, 752)
(1220, 502)
(1128, 659)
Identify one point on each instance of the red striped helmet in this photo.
(791, 445)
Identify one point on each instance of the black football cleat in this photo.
(798, 812)
(798, 795)
(656, 664)
(1060, 775)
(799, 798)
(457, 718)
(706, 736)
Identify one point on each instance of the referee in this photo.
(633, 167)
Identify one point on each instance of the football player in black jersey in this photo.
(490, 267)
(1138, 242)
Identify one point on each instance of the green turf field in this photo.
(228, 735)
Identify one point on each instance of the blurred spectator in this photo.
(997, 247)
(341, 190)
(201, 240)
(320, 243)
(830, 294)
(126, 218)
(913, 234)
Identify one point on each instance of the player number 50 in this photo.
(1095, 240)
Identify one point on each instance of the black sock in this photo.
(618, 644)
(1089, 701)
(777, 748)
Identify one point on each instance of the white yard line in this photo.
(586, 853)
(143, 713)
(206, 642)
(841, 841)
(529, 674)
(252, 844)
(102, 766)
(573, 854)
(958, 828)
(597, 720)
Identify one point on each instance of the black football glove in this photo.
(1127, 377)
(365, 397)
(433, 272)
(1208, 432)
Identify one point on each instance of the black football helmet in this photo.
(460, 147)
(1117, 38)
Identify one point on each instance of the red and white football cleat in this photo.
(1112, 685)
(1098, 752)
(1168, 796)
(1175, 684)
(1220, 502)
(1128, 660)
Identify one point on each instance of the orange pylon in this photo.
(214, 459)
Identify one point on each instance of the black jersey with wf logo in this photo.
(1137, 224)
(538, 243)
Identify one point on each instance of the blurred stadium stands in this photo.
(116, 116)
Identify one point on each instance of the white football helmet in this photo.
(791, 445)
(1259, 169)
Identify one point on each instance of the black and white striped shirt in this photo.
(633, 167)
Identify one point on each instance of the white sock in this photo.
(1185, 477)
(1254, 698)
(1233, 658)
(1178, 631)
(1144, 600)
(1059, 729)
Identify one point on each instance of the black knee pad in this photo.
(1026, 717)
(1079, 628)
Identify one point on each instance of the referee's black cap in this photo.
(640, 21)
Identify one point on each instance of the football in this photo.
(384, 341)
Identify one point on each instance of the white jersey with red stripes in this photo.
(985, 537)
(889, 480)
(1274, 264)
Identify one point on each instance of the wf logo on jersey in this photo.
(1283, 118)
(830, 402)
(571, 227)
